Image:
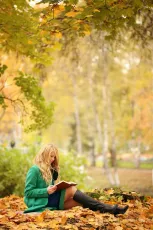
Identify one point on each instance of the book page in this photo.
(64, 185)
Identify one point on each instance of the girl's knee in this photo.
(71, 190)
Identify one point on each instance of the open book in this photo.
(64, 184)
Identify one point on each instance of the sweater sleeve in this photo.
(31, 189)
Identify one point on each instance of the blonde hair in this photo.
(43, 161)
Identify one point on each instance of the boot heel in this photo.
(120, 210)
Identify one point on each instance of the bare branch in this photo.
(15, 101)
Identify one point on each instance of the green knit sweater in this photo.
(35, 193)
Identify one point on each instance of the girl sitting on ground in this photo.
(40, 191)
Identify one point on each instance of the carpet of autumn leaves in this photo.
(139, 215)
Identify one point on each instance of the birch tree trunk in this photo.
(77, 114)
(93, 155)
(105, 113)
(135, 145)
(112, 142)
(94, 108)
(96, 126)
(73, 73)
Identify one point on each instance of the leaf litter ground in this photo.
(138, 217)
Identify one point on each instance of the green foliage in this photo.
(19, 28)
(17, 25)
(2, 69)
(36, 113)
(33, 32)
(1, 100)
(19, 31)
(15, 164)
(109, 16)
(41, 114)
(72, 169)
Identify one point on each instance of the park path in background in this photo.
(139, 180)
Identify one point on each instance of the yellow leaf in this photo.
(96, 10)
(80, 9)
(57, 46)
(58, 35)
(110, 191)
(76, 27)
(61, 8)
(57, 9)
(118, 228)
(3, 219)
(87, 32)
(41, 217)
(71, 14)
(90, 15)
(70, 215)
(11, 214)
(30, 42)
(42, 32)
(79, 21)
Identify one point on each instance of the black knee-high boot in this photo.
(94, 205)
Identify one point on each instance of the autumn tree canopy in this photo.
(35, 32)
(110, 16)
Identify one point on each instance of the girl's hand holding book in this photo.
(51, 189)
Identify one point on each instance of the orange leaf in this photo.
(71, 14)
(2, 205)
(63, 220)
(3, 219)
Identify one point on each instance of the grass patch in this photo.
(138, 180)
(128, 165)
(125, 164)
(148, 165)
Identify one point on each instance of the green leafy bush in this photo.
(72, 169)
(14, 165)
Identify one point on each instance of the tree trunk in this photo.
(93, 159)
(113, 140)
(96, 122)
(77, 115)
(105, 114)
(138, 153)
(94, 108)
(135, 146)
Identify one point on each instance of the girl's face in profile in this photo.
(52, 158)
